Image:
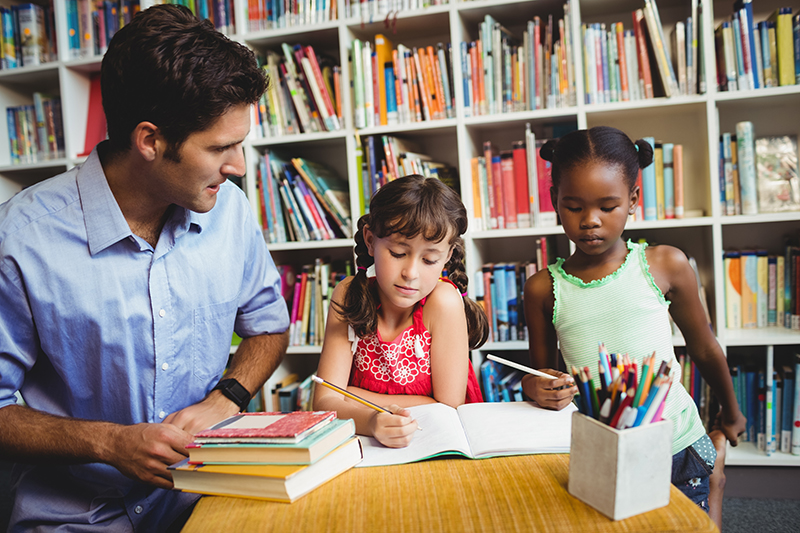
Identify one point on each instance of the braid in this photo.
(477, 322)
(359, 308)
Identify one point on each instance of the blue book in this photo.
(746, 10)
(739, 52)
(391, 95)
(501, 307)
(465, 81)
(787, 409)
(489, 379)
(761, 428)
(796, 34)
(649, 186)
(751, 393)
(669, 180)
(766, 57)
(513, 306)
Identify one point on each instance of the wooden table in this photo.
(504, 494)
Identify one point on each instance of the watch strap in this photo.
(235, 392)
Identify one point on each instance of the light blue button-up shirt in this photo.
(96, 324)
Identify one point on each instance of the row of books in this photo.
(757, 175)
(220, 12)
(399, 85)
(310, 299)
(511, 188)
(304, 94)
(499, 288)
(661, 183)
(269, 14)
(268, 455)
(769, 398)
(28, 35)
(500, 383)
(92, 23)
(35, 132)
(383, 158)
(622, 65)
(502, 74)
(301, 200)
(762, 290)
(753, 55)
(371, 10)
(697, 387)
(285, 394)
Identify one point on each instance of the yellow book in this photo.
(282, 483)
(383, 53)
(782, 18)
(658, 160)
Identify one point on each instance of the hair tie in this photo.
(464, 294)
(636, 146)
(361, 268)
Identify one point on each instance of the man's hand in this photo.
(143, 452)
(214, 408)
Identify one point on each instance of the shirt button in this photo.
(138, 509)
(165, 366)
(162, 414)
(162, 313)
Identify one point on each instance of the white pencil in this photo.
(527, 369)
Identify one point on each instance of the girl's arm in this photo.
(676, 278)
(543, 346)
(446, 321)
(395, 430)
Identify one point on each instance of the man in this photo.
(122, 281)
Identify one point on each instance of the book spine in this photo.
(649, 186)
(747, 168)
(733, 290)
(772, 290)
(677, 164)
(509, 189)
(521, 185)
(749, 271)
(762, 288)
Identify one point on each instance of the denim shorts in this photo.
(691, 468)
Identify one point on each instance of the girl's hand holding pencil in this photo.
(552, 389)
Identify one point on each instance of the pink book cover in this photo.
(545, 182)
(264, 427)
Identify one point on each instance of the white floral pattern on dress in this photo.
(395, 362)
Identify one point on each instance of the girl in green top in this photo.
(622, 294)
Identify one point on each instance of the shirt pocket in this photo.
(212, 330)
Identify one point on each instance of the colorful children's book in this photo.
(268, 428)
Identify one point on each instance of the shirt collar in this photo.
(105, 223)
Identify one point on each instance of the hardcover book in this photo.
(277, 428)
(307, 451)
(776, 170)
(283, 483)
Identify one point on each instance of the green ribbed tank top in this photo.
(627, 311)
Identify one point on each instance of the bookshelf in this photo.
(696, 121)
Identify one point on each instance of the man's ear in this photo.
(147, 140)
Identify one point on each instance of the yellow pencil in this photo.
(352, 396)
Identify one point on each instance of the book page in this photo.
(441, 433)
(515, 428)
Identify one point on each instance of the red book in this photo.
(509, 189)
(266, 428)
(521, 185)
(639, 32)
(497, 178)
(487, 155)
(312, 57)
(95, 117)
(547, 212)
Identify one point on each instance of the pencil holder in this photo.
(620, 473)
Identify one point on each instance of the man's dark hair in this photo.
(172, 69)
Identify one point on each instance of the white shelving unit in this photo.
(694, 121)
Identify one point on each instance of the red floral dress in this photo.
(401, 366)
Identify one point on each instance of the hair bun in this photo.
(645, 153)
(548, 150)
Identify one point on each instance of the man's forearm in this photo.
(256, 359)
(39, 437)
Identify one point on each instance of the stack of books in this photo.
(271, 456)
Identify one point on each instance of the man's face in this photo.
(192, 175)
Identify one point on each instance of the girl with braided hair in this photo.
(398, 332)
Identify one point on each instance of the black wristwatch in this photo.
(235, 392)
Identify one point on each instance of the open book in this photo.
(477, 431)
